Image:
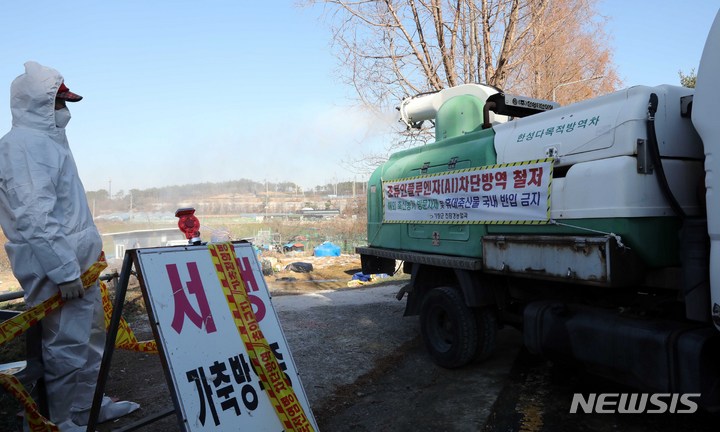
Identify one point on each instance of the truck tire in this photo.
(487, 332)
(449, 328)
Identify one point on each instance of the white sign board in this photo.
(213, 380)
(508, 193)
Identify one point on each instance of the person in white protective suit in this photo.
(52, 240)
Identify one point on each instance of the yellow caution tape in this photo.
(125, 338)
(281, 394)
(91, 275)
(14, 327)
(17, 325)
(36, 421)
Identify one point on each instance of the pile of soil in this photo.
(327, 273)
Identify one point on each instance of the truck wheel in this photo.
(487, 331)
(449, 328)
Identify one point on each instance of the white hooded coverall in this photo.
(51, 239)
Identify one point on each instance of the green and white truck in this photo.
(594, 228)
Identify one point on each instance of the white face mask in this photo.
(62, 117)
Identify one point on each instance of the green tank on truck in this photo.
(584, 226)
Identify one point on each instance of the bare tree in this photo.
(392, 49)
(566, 57)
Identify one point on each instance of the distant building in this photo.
(319, 214)
(121, 241)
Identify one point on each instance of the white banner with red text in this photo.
(516, 193)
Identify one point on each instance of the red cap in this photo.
(67, 95)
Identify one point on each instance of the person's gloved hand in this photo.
(72, 289)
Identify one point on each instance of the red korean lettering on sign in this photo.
(183, 308)
(487, 181)
(475, 183)
(464, 183)
(251, 286)
(501, 179)
(436, 187)
(519, 178)
(411, 189)
(294, 411)
(535, 176)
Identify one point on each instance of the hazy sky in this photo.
(186, 91)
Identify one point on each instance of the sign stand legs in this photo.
(120, 293)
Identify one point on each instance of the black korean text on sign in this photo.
(241, 372)
(225, 378)
(204, 393)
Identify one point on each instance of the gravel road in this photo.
(362, 364)
(364, 368)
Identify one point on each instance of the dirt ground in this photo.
(140, 376)
(364, 368)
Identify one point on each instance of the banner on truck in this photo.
(516, 193)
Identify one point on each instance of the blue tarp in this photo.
(361, 277)
(366, 277)
(327, 249)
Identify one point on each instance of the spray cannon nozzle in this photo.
(189, 224)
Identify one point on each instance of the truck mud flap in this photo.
(651, 355)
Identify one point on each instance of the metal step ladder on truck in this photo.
(594, 228)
